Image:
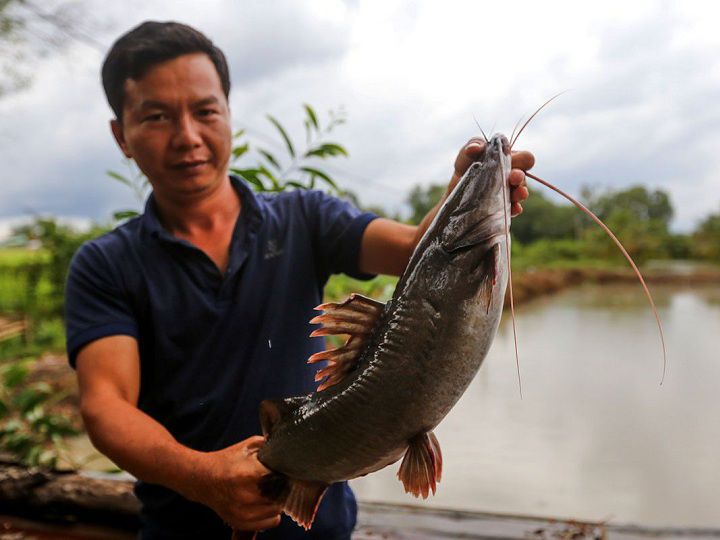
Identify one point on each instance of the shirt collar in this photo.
(250, 213)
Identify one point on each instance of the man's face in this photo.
(176, 126)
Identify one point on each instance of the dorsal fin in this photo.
(355, 317)
(274, 410)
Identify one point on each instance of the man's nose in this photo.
(186, 133)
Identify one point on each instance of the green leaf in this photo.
(33, 455)
(251, 176)
(15, 374)
(288, 142)
(48, 459)
(125, 214)
(58, 426)
(36, 417)
(327, 149)
(3, 409)
(120, 178)
(28, 398)
(311, 115)
(240, 150)
(12, 426)
(238, 133)
(18, 443)
(320, 174)
(295, 184)
(276, 185)
(267, 155)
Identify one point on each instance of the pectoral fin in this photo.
(355, 317)
(489, 268)
(421, 468)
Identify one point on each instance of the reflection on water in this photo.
(595, 435)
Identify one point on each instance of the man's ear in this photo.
(117, 131)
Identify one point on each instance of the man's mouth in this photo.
(190, 165)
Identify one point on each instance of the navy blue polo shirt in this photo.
(213, 345)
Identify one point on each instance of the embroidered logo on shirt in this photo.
(273, 250)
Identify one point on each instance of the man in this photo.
(181, 321)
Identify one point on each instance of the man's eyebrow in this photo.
(153, 104)
(211, 100)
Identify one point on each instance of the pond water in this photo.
(594, 436)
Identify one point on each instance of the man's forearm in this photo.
(140, 445)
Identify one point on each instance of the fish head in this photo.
(478, 209)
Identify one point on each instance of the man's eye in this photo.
(156, 117)
(207, 112)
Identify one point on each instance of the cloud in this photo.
(643, 80)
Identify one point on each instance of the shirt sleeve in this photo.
(95, 306)
(337, 228)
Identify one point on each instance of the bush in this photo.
(30, 427)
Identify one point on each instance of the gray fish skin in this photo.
(426, 347)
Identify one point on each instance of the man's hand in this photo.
(229, 485)
(521, 161)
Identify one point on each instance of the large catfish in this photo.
(406, 362)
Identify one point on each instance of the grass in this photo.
(14, 257)
(25, 291)
(22, 283)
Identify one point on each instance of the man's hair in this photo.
(151, 43)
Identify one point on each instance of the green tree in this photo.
(637, 201)
(644, 239)
(706, 238)
(422, 199)
(640, 218)
(543, 219)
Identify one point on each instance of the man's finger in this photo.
(516, 178)
(473, 144)
(522, 160)
(519, 194)
(255, 442)
(472, 150)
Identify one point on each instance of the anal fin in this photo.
(355, 317)
(303, 500)
(421, 468)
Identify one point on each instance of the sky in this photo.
(641, 82)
